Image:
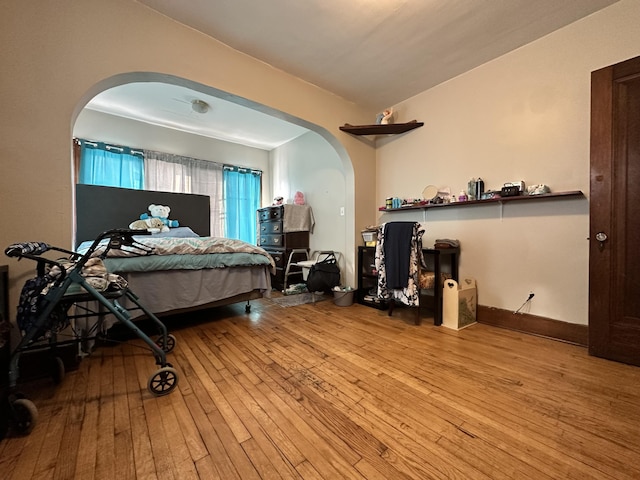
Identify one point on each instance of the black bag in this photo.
(324, 275)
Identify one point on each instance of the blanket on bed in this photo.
(185, 246)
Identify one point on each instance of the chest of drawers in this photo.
(278, 243)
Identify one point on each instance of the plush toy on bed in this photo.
(153, 225)
(161, 212)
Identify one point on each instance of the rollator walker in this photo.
(44, 312)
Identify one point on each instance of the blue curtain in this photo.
(110, 166)
(241, 201)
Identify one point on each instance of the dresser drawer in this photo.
(270, 213)
(278, 258)
(270, 228)
(270, 240)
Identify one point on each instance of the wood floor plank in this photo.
(144, 465)
(86, 457)
(323, 392)
(207, 469)
(193, 439)
(160, 443)
(51, 448)
(106, 457)
(206, 373)
(223, 465)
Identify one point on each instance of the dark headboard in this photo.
(102, 208)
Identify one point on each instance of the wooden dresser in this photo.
(277, 242)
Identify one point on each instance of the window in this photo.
(241, 200)
(110, 166)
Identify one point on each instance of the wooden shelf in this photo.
(519, 198)
(390, 129)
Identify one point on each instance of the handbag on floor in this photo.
(324, 275)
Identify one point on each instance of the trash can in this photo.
(460, 302)
(343, 297)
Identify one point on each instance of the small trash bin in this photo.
(343, 297)
(460, 302)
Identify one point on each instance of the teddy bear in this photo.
(161, 212)
(153, 225)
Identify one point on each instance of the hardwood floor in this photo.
(327, 392)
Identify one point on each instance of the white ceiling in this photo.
(170, 106)
(373, 52)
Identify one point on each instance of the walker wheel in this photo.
(57, 370)
(171, 343)
(163, 381)
(25, 416)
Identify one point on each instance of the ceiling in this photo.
(170, 106)
(375, 53)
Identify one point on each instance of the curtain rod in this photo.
(242, 169)
(110, 147)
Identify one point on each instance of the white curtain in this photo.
(173, 173)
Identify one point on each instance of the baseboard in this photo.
(524, 322)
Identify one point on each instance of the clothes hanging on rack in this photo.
(398, 260)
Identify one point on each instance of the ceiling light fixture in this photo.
(199, 106)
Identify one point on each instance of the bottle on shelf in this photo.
(479, 188)
(471, 189)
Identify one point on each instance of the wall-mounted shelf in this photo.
(519, 198)
(389, 129)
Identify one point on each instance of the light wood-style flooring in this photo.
(328, 392)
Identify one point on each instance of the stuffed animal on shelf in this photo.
(153, 225)
(387, 117)
(161, 212)
(278, 201)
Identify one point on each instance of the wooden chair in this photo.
(432, 278)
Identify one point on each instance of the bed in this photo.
(188, 270)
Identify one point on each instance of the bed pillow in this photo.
(178, 232)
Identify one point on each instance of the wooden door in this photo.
(614, 258)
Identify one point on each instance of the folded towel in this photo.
(298, 218)
(447, 241)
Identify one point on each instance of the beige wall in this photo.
(56, 56)
(524, 116)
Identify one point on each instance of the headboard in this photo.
(102, 208)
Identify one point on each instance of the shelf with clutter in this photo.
(475, 195)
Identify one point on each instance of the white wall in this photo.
(93, 125)
(524, 116)
(310, 165)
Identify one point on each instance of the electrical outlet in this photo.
(342, 211)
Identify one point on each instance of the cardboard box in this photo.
(370, 238)
(459, 303)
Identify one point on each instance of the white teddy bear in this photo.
(161, 212)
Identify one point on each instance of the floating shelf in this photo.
(389, 129)
(545, 196)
